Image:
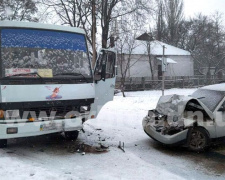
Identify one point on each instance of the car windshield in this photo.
(210, 98)
(48, 53)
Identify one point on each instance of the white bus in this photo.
(47, 84)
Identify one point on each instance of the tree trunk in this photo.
(105, 31)
(150, 61)
(93, 34)
(122, 86)
(208, 76)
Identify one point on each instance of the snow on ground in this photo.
(49, 157)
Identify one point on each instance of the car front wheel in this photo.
(198, 139)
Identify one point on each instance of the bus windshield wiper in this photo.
(21, 74)
(71, 74)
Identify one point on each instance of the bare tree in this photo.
(131, 10)
(160, 32)
(174, 16)
(128, 27)
(169, 18)
(20, 10)
(78, 13)
(206, 43)
(126, 46)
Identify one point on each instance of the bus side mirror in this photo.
(97, 77)
(103, 72)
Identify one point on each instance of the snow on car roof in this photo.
(215, 87)
(34, 25)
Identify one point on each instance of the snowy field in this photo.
(51, 157)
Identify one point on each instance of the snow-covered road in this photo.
(51, 157)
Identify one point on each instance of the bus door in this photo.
(105, 78)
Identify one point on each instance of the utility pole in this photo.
(93, 33)
(164, 64)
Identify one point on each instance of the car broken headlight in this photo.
(175, 118)
(160, 116)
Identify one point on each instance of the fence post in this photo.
(143, 82)
(131, 86)
(183, 81)
(198, 81)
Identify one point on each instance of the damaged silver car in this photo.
(194, 121)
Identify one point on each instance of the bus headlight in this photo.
(84, 108)
(12, 113)
(2, 114)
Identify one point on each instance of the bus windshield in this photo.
(43, 52)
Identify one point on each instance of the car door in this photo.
(219, 115)
(105, 78)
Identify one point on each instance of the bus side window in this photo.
(110, 65)
(105, 67)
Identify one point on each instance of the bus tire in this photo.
(71, 135)
(3, 143)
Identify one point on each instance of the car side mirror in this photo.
(221, 109)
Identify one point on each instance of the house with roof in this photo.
(144, 59)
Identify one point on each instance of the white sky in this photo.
(206, 7)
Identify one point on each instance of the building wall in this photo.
(184, 66)
(139, 66)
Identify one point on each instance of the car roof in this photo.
(35, 25)
(215, 87)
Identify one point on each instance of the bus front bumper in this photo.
(26, 129)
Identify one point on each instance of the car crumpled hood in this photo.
(175, 104)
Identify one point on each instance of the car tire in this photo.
(3, 143)
(71, 135)
(198, 139)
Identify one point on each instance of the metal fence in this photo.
(146, 83)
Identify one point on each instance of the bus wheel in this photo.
(3, 143)
(71, 135)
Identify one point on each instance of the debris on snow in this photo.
(121, 146)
